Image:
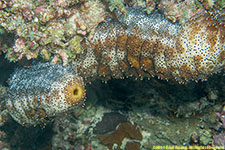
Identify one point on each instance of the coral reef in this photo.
(115, 131)
(180, 10)
(132, 114)
(124, 134)
(212, 4)
(109, 122)
(51, 29)
(139, 45)
(42, 91)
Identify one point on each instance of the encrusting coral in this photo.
(49, 28)
(138, 45)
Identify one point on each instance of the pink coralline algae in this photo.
(52, 30)
(180, 11)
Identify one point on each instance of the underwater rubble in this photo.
(131, 115)
(123, 114)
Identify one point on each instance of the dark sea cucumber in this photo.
(136, 45)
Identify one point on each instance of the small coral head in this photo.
(75, 91)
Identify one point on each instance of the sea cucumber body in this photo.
(40, 92)
(143, 45)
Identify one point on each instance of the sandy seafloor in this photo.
(126, 114)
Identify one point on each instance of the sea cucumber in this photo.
(143, 45)
(36, 94)
(137, 45)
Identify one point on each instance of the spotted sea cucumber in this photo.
(42, 91)
(137, 45)
(149, 45)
